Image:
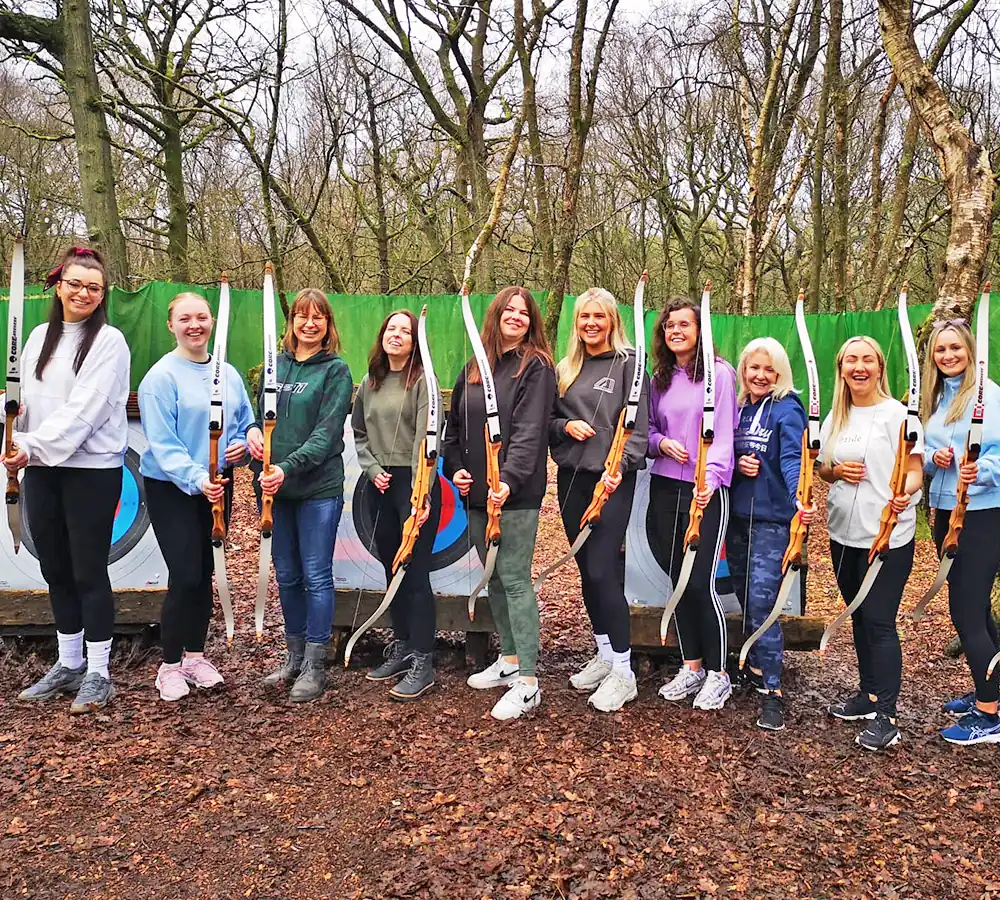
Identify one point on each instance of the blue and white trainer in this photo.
(975, 727)
(960, 705)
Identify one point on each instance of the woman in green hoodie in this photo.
(307, 481)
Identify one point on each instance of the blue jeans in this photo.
(302, 549)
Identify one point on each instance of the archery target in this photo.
(135, 560)
(647, 584)
(455, 565)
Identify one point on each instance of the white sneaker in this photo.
(684, 684)
(521, 698)
(171, 683)
(615, 691)
(591, 675)
(500, 674)
(714, 693)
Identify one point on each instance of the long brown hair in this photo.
(534, 346)
(309, 300)
(89, 259)
(664, 359)
(378, 359)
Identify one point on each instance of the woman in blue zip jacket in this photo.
(768, 449)
(948, 398)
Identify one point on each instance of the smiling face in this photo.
(309, 325)
(397, 340)
(80, 290)
(594, 327)
(514, 322)
(950, 353)
(681, 333)
(861, 371)
(759, 375)
(191, 324)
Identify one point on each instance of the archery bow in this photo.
(269, 413)
(908, 432)
(791, 564)
(494, 441)
(692, 537)
(423, 482)
(973, 445)
(623, 431)
(215, 420)
(15, 317)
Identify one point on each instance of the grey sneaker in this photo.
(95, 693)
(615, 691)
(714, 693)
(290, 668)
(397, 661)
(312, 679)
(58, 680)
(591, 675)
(686, 683)
(418, 680)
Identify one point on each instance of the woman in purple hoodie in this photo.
(676, 402)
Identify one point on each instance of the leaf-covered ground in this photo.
(236, 794)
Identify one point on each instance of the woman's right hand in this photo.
(214, 490)
(462, 479)
(749, 466)
(944, 458)
(851, 472)
(674, 449)
(579, 430)
(381, 481)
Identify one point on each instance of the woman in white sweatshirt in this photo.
(72, 435)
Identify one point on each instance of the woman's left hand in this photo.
(703, 498)
(806, 513)
(900, 502)
(501, 496)
(611, 482)
(235, 452)
(18, 461)
(272, 481)
(968, 473)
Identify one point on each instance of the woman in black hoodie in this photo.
(514, 339)
(594, 382)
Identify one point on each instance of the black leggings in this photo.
(413, 611)
(970, 582)
(71, 515)
(700, 617)
(876, 640)
(601, 559)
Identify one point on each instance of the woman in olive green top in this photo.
(389, 422)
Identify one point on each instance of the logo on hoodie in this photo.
(606, 384)
(755, 437)
(293, 387)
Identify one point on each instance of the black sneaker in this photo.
(853, 708)
(880, 734)
(772, 712)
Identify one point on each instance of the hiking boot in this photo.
(591, 676)
(418, 680)
(200, 672)
(397, 661)
(880, 734)
(975, 727)
(772, 712)
(714, 693)
(521, 698)
(614, 692)
(171, 683)
(500, 674)
(686, 683)
(853, 708)
(95, 693)
(960, 705)
(290, 668)
(58, 680)
(312, 678)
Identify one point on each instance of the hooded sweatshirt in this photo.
(985, 493)
(772, 431)
(314, 396)
(597, 397)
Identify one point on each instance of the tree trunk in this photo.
(841, 178)
(177, 208)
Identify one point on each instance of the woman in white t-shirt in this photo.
(860, 440)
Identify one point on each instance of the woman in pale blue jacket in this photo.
(948, 397)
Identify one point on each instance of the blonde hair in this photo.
(933, 380)
(841, 407)
(779, 362)
(186, 295)
(571, 364)
(312, 299)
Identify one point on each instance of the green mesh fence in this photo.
(142, 317)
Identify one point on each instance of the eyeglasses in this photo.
(310, 317)
(94, 289)
(677, 326)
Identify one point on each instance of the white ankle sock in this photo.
(604, 646)
(98, 654)
(622, 663)
(70, 650)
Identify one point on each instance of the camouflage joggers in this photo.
(757, 594)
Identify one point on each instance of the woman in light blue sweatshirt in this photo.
(174, 402)
(948, 399)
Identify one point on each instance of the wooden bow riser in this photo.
(897, 483)
(956, 522)
(612, 465)
(419, 500)
(692, 536)
(267, 501)
(799, 530)
(218, 509)
(493, 483)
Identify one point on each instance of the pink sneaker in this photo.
(200, 672)
(170, 683)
